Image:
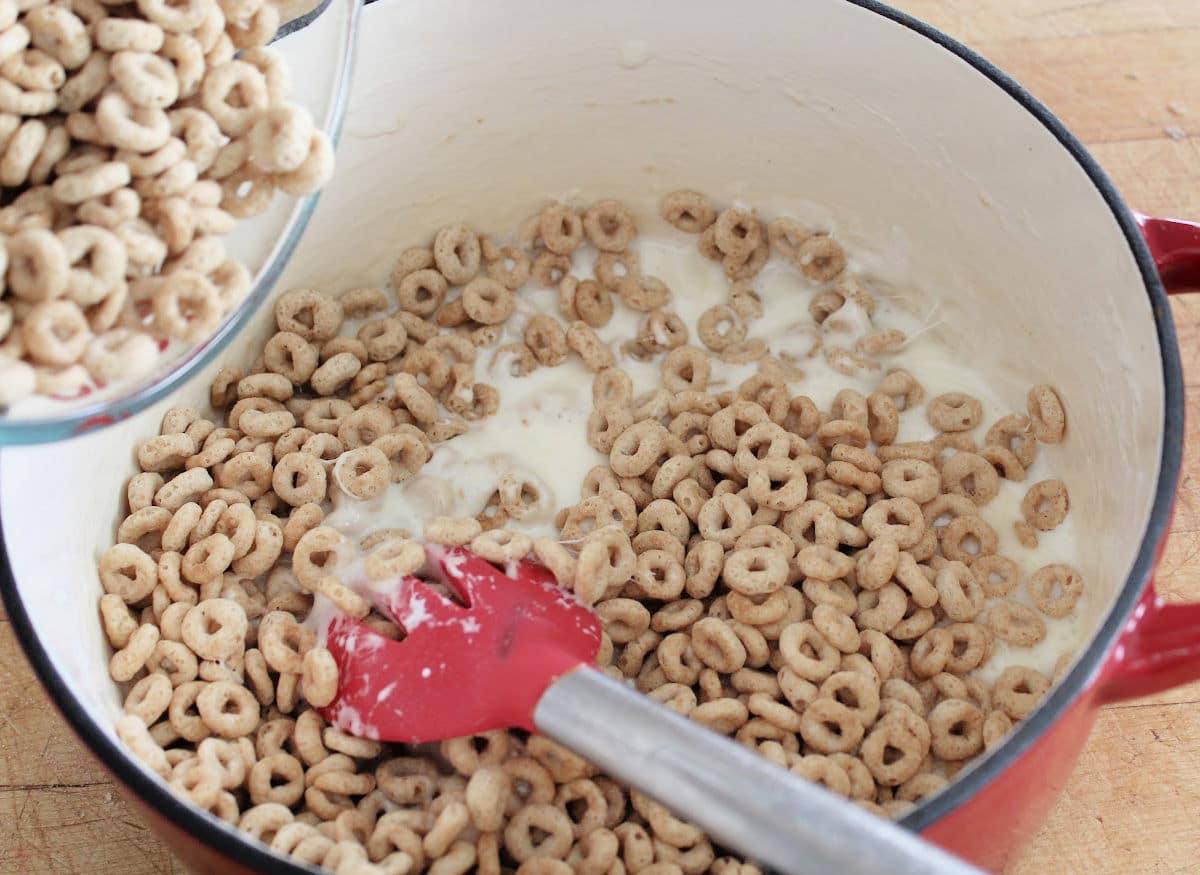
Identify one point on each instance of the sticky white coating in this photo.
(539, 432)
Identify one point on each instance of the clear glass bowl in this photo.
(319, 47)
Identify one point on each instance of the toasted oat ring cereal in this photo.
(643, 293)
(612, 267)
(344, 598)
(130, 659)
(452, 532)
(1015, 433)
(1005, 462)
(967, 538)
(784, 573)
(315, 553)
(561, 229)
(959, 593)
(609, 225)
(1047, 415)
(422, 292)
(591, 302)
(755, 571)
(821, 257)
(737, 233)
(551, 823)
(487, 301)
(998, 575)
(215, 629)
(956, 727)
(971, 475)
(283, 642)
(954, 412)
(909, 525)
(785, 236)
(126, 571)
(228, 709)
(806, 652)
(828, 726)
(688, 211)
(837, 628)
(457, 253)
(319, 677)
(363, 473)
(1015, 623)
(394, 559)
(1045, 505)
(1018, 690)
(743, 269)
(309, 314)
(1055, 589)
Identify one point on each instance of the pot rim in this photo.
(216, 834)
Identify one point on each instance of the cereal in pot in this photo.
(790, 534)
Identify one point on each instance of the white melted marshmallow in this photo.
(538, 434)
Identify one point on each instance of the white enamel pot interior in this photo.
(943, 176)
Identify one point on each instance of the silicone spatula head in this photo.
(460, 669)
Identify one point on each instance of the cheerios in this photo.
(825, 583)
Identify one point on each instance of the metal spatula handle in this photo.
(739, 798)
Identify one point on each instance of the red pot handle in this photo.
(1160, 645)
(1175, 245)
(1159, 649)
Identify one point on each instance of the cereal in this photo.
(1015, 623)
(643, 293)
(126, 571)
(130, 659)
(998, 575)
(1049, 421)
(968, 538)
(1014, 433)
(487, 301)
(457, 253)
(959, 594)
(561, 229)
(609, 225)
(688, 211)
(363, 472)
(319, 677)
(452, 532)
(1045, 505)
(1005, 462)
(908, 526)
(1055, 589)
(122, 199)
(970, 475)
(1018, 690)
(784, 573)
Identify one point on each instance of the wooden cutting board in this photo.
(1125, 76)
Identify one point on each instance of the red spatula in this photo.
(517, 653)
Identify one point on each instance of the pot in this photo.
(959, 185)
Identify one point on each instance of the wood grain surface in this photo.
(1125, 76)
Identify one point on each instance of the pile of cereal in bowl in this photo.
(132, 138)
(800, 520)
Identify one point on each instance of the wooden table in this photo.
(1125, 76)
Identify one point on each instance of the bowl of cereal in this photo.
(161, 164)
(820, 439)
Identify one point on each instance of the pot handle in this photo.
(1158, 649)
(1160, 645)
(1175, 245)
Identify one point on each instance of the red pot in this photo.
(922, 144)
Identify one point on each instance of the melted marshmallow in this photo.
(539, 432)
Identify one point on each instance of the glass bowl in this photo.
(319, 47)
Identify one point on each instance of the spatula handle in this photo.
(739, 798)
